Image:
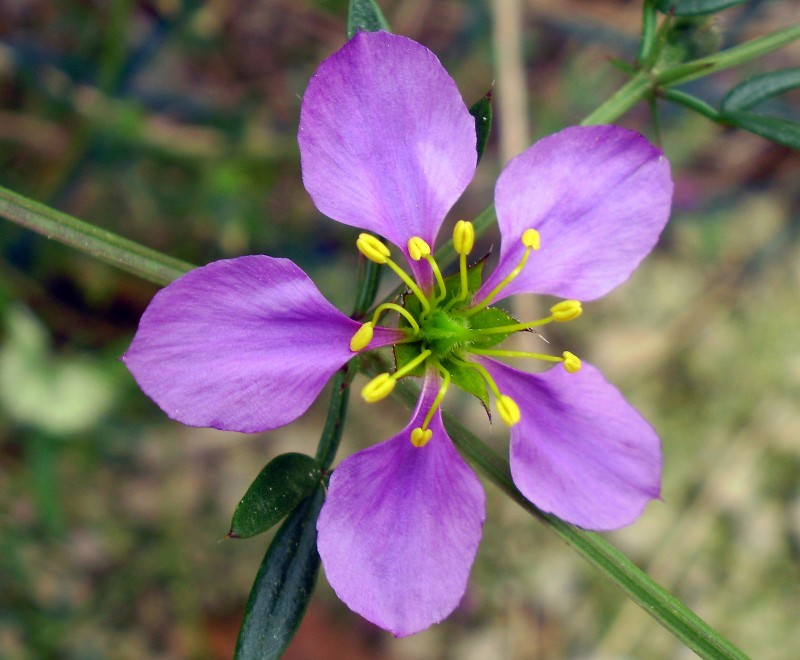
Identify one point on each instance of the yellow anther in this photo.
(566, 310)
(420, 437)
(418, 248)
(463, 237)
(372, 248)
(363, 337)
(508, 410)
(378, 388)
(571, 362)
(531, 239)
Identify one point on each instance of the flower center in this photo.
(443, 327)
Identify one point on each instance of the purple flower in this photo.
(246, 344)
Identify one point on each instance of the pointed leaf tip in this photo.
(481, 110)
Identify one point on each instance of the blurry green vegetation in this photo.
(173, 123)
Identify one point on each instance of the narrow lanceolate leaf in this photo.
(482, 111)
(279, 487)
(96, 242)
(365, 16)
(755, 90)
(695, 7)
(782, 131)
(283, 586)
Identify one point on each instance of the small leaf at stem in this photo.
(695, 7)
(277, 489)
(482, 112)
(759, 88)
(365, 16)
(283, 586)
(782, 131)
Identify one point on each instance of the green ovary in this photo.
(444, 332)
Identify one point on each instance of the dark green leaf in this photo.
(283, 586)
(695, 7)
(365, 16)
(778, 130)
(482, 112)
(278, 488)
(751, 92)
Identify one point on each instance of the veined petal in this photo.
(241, 345)
(599, 196)
(400, 527)
(580, 451)
(386, 142)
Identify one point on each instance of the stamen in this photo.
(419, 248)
(378, 388)
(508, 410)
(501, 352)
(566, 310)
(403, 312)
(463, 241)
(374, 250)
(362, 337)
(439, 396)
(413, 364)
(571, 362)
(482, 371)
(463, 237)
(531, 240)
(420, 437)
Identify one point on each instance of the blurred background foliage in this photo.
(173, 122)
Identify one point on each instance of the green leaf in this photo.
(99, 243)
(468, 380)
(755, 90)
(695, 7)
(283, 483)
(491, 317)
(365, 16)
(778, 130)
(283, 586)
(482, 112)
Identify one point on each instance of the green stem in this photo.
(633, 91)
(727, 58)
(105, 245)
(334, 423)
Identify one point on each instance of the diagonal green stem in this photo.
(105, 245)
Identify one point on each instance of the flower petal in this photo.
(581, 451)
(599, 197)
(400, 528)
(242, 345)
(386, 142)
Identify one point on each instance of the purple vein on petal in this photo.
(400, 527)
(599, 197)
(242, 345)
(580, 451)
(386, 142)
